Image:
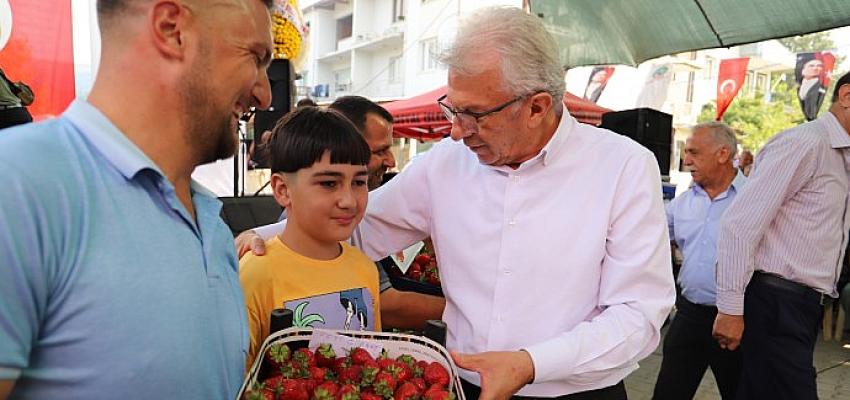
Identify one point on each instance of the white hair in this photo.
(528, 53)
(722, 135)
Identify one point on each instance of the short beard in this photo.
(209, 132)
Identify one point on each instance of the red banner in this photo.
(38, 51)
(729, 82)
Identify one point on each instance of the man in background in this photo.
(693, 217)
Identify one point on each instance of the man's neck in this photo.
(713, 189)
(150, 118)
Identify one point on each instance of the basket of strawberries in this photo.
(304, 363)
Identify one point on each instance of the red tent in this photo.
(421, 118)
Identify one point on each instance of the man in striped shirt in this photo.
(779, 253)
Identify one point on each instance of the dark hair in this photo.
(305, 102)
(301, 137)
(356, 108)
(844, 80)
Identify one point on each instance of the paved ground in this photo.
(833, 383)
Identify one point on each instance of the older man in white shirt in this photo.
(551, 234)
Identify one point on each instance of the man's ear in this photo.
(168, 23)
(541, 103)
(844, 96)
(725, 155)
(280, 188)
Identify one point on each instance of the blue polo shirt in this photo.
(693, 219)
(109, 289)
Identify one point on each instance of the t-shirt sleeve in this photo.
(383, 279)
(258, 287)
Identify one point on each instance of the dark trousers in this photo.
(616, 392)
(14, 116)
(780, 331)
(689, 349)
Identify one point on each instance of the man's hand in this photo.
(250, 241)
(503, 373)
(728, 330)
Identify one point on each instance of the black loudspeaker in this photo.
(651, 128)
(281, 77)
(243, 213)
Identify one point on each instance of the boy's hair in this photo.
(301, 138)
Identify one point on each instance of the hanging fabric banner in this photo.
(729, 82)
(812, 73)
(654, 92)
(36, 48)
(596, 83)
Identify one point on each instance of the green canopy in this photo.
(596, 32)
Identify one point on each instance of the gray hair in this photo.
(528, 53)
(722, 135)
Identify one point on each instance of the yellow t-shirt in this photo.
(336, 294)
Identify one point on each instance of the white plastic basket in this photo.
(396, 344)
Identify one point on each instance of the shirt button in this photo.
(507, 272)
(512, 222)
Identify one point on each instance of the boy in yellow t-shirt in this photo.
(318, 162)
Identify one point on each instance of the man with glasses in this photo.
(550, 234)
(779, 252)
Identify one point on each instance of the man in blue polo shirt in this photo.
(693, 218)
(118, 279)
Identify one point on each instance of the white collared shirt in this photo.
(567, 257)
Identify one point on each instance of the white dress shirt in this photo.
(567, 257)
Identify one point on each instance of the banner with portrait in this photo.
(596, 83)
(655, 88)
(730, 78)
(812, 74)
(36, 48)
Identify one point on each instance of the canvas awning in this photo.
(629, 32)
(420, 117)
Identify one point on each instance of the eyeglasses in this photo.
(471, 117)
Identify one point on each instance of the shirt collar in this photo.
(838, 137)
(737, 183)
(556, 143)
(103, 135)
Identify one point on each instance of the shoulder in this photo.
(809, 135)
(605, 145)
(257, 271)
(356, 256)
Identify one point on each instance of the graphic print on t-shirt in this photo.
(351, 309)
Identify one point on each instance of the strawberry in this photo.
(293, 370)
(368, 395)
(348, 392)
(407, 391)
(359, 356)
(273, 384)
(340, 364)
(437, 394)
(260, 392)
(318, 374)
(419, 368)
(406, 359)
(401, 372)
(326, 391)
(277, 355)
(368, 374)
(433, 279)
(384, 384)
(325, 356)
(305, 357)
(416, 275)
(384, 361)
(435, 373)
(419, 383)
(422, 259)
(292, 389)
(350, 374)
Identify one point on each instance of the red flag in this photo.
(729, 82)
(38, 51)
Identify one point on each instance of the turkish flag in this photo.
(729, 82)
(36, 48)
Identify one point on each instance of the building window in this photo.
(343, 27)
(398, 10)
(395, 69)
(342, 80)
(709, 67)
(689, 96)
(428, 52)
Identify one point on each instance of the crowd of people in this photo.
(119, 279)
